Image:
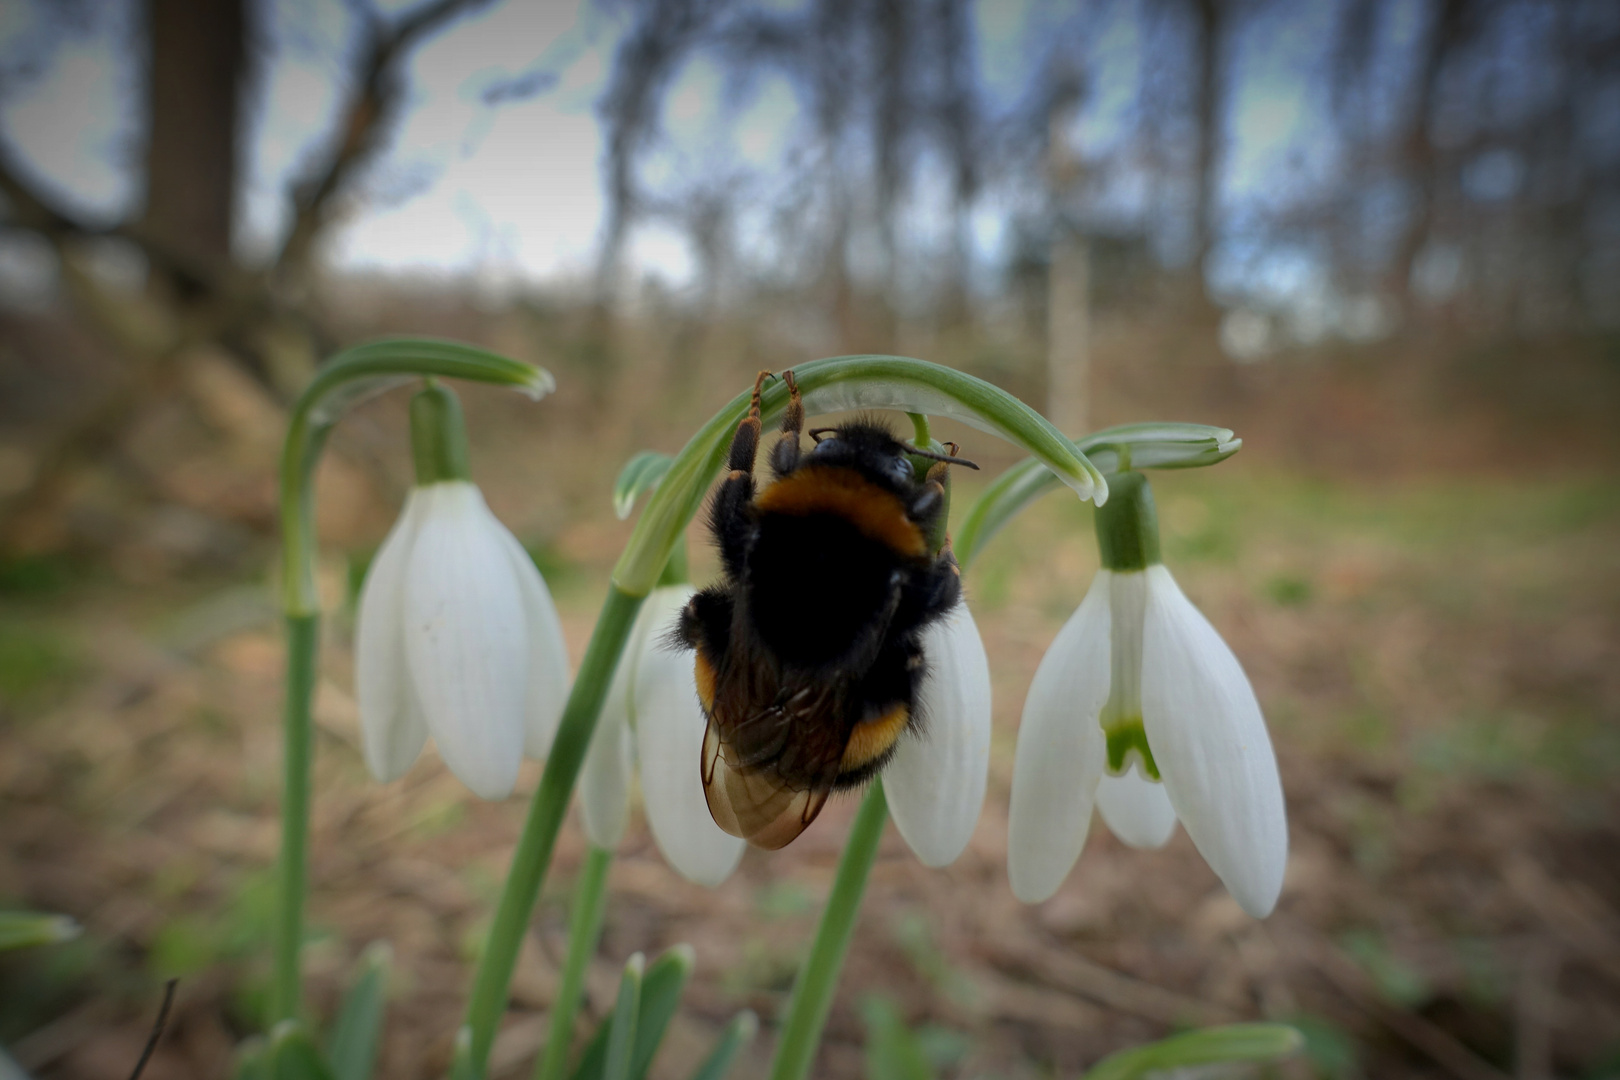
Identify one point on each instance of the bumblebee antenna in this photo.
(932, 456)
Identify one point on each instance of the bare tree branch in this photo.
(365, 121)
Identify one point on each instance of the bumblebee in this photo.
(808, 651)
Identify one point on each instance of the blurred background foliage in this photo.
(1379, 238)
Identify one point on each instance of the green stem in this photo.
(584, 931)
(546, 812)
(813, 989)
(303, 634)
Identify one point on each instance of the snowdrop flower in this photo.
(456, 636)
(652, 715)
(1141, 708)
(935, 783)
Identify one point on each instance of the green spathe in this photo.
(438, 435)
(1128, 524)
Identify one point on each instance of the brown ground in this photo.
(1436, 651)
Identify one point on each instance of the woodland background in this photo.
(1407, 304)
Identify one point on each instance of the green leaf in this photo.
(1209, 1046)
(893, 1051)
(461, 1062)
(594, 1059)
(639, 476)
(1137, 446)
(293, 1055)
(352, 1047)
(738, 1034)
(20, 929)
(621, 1046)
(613, 1047)
(660, 997)
(833, 385)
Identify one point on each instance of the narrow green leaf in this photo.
(660, 997)
(352, 1047)
(293, 1055)
(461, 1060)
(1209, 1046)
(639, 476)
(594, 1060)
(893, 1051)
(20, 929)
(738, 1034)
(622, 1040)
(584, 931)
(1134, 446)
(613, 1046)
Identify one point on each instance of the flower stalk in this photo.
(818, 978)
(350, 376)
(584, 931)
(547, 809)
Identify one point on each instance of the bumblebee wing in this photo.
(755, 804)
(767, 775)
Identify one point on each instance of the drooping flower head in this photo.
(1140, 708)
(456, 634)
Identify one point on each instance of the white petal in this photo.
(548, 680)
(669, 746)
(604, 779)
(935, 784)
(466, 639)
(1211, 746)
(1061, 752)
(1137, 810)
(392, 727)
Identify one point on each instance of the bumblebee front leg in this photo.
(785, 454)
(731, 518)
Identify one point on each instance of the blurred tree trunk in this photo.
(957, 120)
(1068, 333)
(892, 32)
(198, 55)
(1068, 283)
(1417, 149)
(1210, 18)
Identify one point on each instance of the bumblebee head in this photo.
(872, 449)
(867, 447)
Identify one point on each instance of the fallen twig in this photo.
(157, 1029)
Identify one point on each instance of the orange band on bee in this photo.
(703, 675)
(871, 739)
(877, 513)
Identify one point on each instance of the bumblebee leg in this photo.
(730, 518)
(785, 454)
